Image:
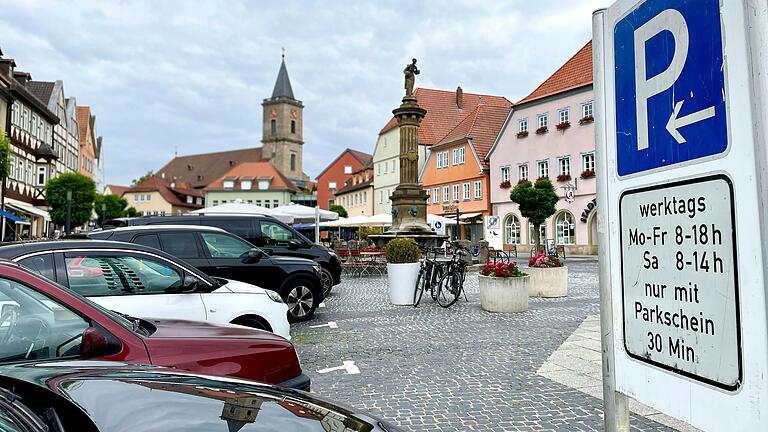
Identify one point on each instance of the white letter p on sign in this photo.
(672, 21)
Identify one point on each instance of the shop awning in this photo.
(12, 217)
(28, 208)
(466, 216)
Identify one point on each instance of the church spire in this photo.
(283, 84)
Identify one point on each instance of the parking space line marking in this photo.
(348, 366)
(322, 304)
(330, 324)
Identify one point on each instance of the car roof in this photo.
(163, 228)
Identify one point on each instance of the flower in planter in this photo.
(542, 130)
(587, 174)
(586, 119)
(563, 125)
(522, 181)
(502, 270)
(544, 261)
(563, 177)
(505, 184)
(522, 134)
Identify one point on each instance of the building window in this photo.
(588, 161)
(458, 155)
(41, 176)
(189, 199)
(586, 109)
(564, 115)
(293, 162)
(442, 160)
(149, 197)
(293, 126)
(543, 168)
(381, 197)
(566, 233)
(522, 125)
(347, 169)
(542, 233)
(386, 167)
(435, 195)
(478, 189)
(455, 192)
(378, 169)
(258, 202)
(273, 127)
(229, 184)
(263, 184)
(446, 193)
(331, 185)
(246, 184)
(542, 120)
(199, 201)
(512, 230)
(564, 166)
(215, 202)
(504, 174)
(275, 203)
(465, 191)
(522, 172)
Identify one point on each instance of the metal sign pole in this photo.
(615, 404)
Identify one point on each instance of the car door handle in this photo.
(222, 268)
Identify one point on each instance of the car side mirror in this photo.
(190, 285)
(95, 343)
(294, 244)
(255, 254)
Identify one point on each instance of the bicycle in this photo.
(451, 284)
(430, 272)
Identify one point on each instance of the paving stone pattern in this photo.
(456, 369)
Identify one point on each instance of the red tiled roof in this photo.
(118, 190)
(363, 158)
(172, 194)
(255, 170)
(442, 113)
(201, 169)
(575, 73)
(482, 126)
(83, 120)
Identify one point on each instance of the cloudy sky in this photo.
(189, 76)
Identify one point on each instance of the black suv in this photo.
(221, 254)
(265, 232)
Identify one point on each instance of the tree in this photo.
(148, 174)
(113, 204)
(132, 212)
(340, 210)
(536, 201)
(5, 169)
(83, 193)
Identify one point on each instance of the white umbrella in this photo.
(334, 224)
(306, 214)
(239, 208)
(431, 219)
(379, 220)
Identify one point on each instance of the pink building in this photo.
(550, 133)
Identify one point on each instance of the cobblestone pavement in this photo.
(456, 369)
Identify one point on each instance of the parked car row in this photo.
(171, 296)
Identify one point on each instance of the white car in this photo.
(144, 282)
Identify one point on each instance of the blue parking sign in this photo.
(670, 84)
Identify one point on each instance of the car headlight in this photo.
(317, 268)
(274, 296)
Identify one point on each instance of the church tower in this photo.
(282, 137)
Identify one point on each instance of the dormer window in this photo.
(189, 199)
(229, 184)
(263, 184)
(245, 184)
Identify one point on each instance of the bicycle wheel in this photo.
(421, 282)
(448, 289)
(434, 281)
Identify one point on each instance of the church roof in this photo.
(283, 84)
(254, 171)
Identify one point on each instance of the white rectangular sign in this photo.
(679, 279)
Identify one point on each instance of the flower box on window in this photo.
(542, 178)
(587, 174)
(586, 120)
(522, 181)
(563, 126)
(522, 134)
(563, 177)
(542, 130)
(505, 184)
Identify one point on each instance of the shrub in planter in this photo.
(563, 177)
(402, 269)
(563, 126)
(542, 130)
(503, 288)
(549, 276)
(522, 134)
(505, 184)
(587, 174)
(522, 181)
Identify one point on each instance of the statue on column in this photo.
(410, 77)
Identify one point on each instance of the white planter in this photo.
(548, 282)
(499, 294)
(402, 282)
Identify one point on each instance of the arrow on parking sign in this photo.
(676, 122)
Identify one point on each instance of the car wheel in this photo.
(326, 278)
(254, 322)
(300, 298)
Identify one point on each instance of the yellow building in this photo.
(159, 196)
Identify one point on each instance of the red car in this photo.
(40, 320)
